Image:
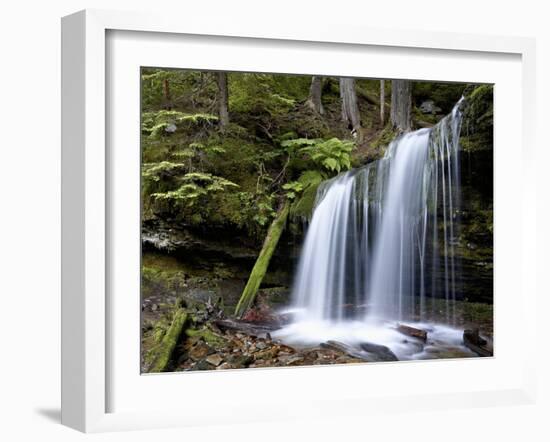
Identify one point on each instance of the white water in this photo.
(380, 249)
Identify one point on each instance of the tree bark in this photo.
(167, 95)
(161, 353)
(350, 109)
(315, 93)
(401, 103)
(382, 102)
(223, 109)
(260, 267)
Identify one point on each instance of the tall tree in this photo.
(223, 106)
(350, 109)
(166, 93)
(382, 101)
(401, 103)
(315, 94)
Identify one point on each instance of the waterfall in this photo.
(381, 242)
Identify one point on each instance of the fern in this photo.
(293, 189)
(332, 154)
(157, 171)
(194, 185)
(155, 123)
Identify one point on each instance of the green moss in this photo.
(213, 339)
(477, 123)
(262, 263)
(477, 313)
(161, 274)
(384, 137)
(302, 207)
(160, 354)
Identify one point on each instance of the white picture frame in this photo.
(87, 352)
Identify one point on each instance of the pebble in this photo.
(214, 359)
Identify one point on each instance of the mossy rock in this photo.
(302, 208)
(213, 339)
(477, 121)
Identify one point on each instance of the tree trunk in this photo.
(161, 353)
(401, 103)
(223, 111)
(350, 109)
(315, 94)
(258, 272)
(167, 96)
(382, 101)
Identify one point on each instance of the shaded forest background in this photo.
(221, 151)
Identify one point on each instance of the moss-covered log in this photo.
(161, 353)
(262, 263)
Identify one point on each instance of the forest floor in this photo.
(213, 339)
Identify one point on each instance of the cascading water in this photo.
(380, 245)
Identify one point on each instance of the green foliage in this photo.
(332, 154)
(195, 185)
(258, 94)
(292, 145)
(155, 124)
(188, 89)
(384, 137)
(302, 207)
(157, 171)
(275, 148)
(293, 189)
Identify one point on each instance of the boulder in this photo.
(379, 353)
(429, 107)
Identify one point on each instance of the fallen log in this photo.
(476, 343)
(380, 352)
(347, 349)
(245, 327)
(161, 353)
(412, 332)
(262, 263)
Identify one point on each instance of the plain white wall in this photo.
(30, 220)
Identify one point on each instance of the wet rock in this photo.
(429, 107)
(378, 353)
(269, 353)
(203, 365)
(199, 351)
(344, 348)
(171, 128)
(226, 366)
(295, 360)
(214, 359)
(241, 361)
(476, 343)
(412, 332)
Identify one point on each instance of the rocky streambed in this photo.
(200, 336)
